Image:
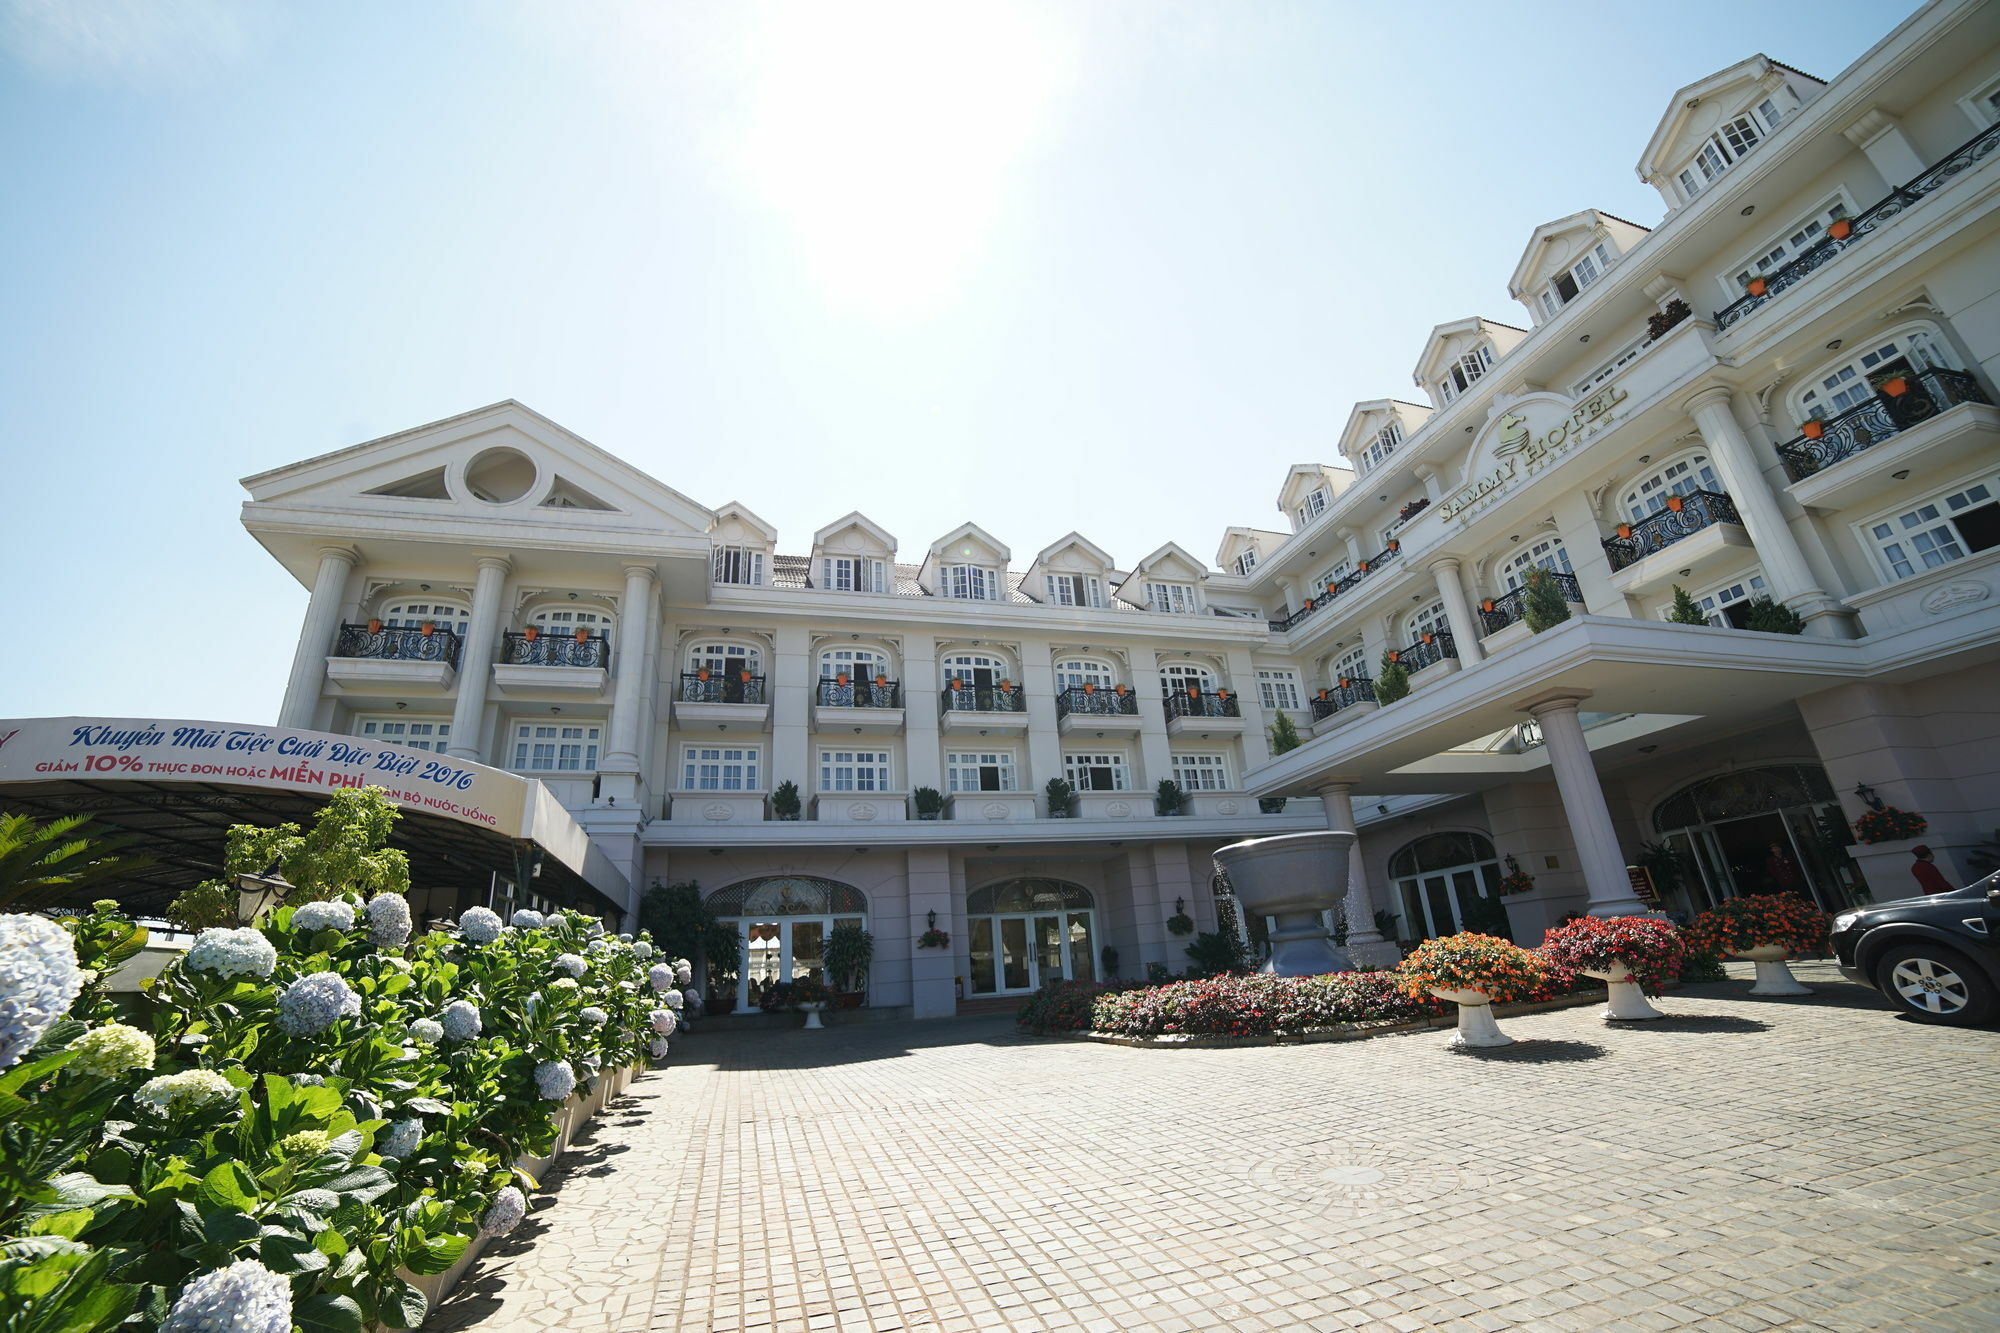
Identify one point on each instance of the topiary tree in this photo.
(1393, 682)
(785, 802)
(1168, 798)
(1542, 603)
(1773, 618)
(1284, 733)
(343, 853)
(1685, 612)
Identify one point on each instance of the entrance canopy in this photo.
(178, 785)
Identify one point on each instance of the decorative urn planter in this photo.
(1475, 1018)
(1676, 503)
(1896, 387)
(1624, 532)
(374, 627)
(811, 1009)
(1774, 977)
(1628, 998)
(1293, 877)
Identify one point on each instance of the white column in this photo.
(1038, 678)
(1365, 944)
(629, 691)
(316, 635)
(1457, 611)
(475, 659)
(1778, 549)
(1155, 750)
(1604, 877)
(920, 713)
(790, 682)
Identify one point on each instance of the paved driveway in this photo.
(1750, 1164)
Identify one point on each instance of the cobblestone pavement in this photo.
(1748, 1164)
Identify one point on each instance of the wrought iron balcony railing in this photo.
(985, 699)
(1371, 565)
(1698, 510)
(565, 650)
(1925, 394)
(398, 643)
(1354, 690)
(1097, 701)
(1497, 613)
(1202, 703)
(722, 687)
(1858, 228)
(860, 694)
(1428, 650)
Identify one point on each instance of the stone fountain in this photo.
(1293, 877)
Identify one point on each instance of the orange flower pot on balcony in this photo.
(1343, 685)
(1624, 533)
(1757, 286)
(1309, 603)
(1395, 546)
(881, 682)
(1840, 229)
(1194, 691)
(745, 676)
(1089, 688)
(840, 679)
(1222, 694)
(374, 627)
(1676, 503)
(583, 636)
(429, 628)
(1395, 654)
(1427, 636)
(1363, 567)
(1345, 682)
(1486, 605)
(531, 633)
(958, 684)
(1121, 691)
(701, 674)
(1329, 589)
(1812, 430)
(1007, 686)
(1896, 387)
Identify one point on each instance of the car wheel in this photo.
(1933, 984)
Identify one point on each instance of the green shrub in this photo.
(1685, 612)
(1284, 733)
(1393, 682)
(1772, 618)
(1542, 603)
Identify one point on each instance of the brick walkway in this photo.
(1750, 1164)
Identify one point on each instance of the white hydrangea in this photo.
(682, 964)
(664, 1021)
(336, 915)
(592, 1015)
(692, 998)
(460, 1020)
(509, 1206)
(673, 999)
(554, 1080)
(479, 925)
(171, 1094)
(624, 937)
(527, 920)
(683, 974)
(564, 983)
(112, 1050)
(427, 1031)
(642, 950)
(402, 1138)
(658, 1046)
(660, 976)
(245, 1297)
(574, 964)
(39, 980)
(389, 920)
(313, 1003)
(232, 953)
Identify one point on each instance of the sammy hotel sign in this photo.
(1518, 454)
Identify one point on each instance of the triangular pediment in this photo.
(1367, 421)
(1305, 478)
(736, 525)
(1072, 553)
(1695, 111)
(1450, 341)
(854, 534)
(1557, 245)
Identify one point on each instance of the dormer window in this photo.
(1075, 590)
(849, 573)
(1173, 598)
(1465, 371)
(1572, 280)
(1246, 562)
(1313, 506)
(1727, 144)
(1382, 445)
(968, 583)
(739, 564)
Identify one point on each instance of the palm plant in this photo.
(44, 862)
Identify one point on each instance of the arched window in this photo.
(724, 660)
(1849, 383)
(1351, 665)
(1543, 553)
(1437, 878)
(1426, 620)
(568, 619)
(1023, 933)
(975, 670)
(1180, 677)
(856, 662)
(1076, 672)
(784, 921)
(1756, 830)
(415, 613)
(1689, 472)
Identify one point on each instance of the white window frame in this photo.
(1178, 599)
(1544, 552)
(1431, 618)
(712, 654)
(1919, 344)
(1352, 664)
(1625, 357)
(1385, 443)
(740, 565)
(1680, 475)
(1312, 506)
(1466, 370)
(1278, 687)
(412, 612)
(1582, 273)
(1074, 589)
(1077, 768)
(967, 583)
(564, 619)
(961, 665)
(1982, 104)
(847, 770)
(1075, 672)
(1175, 677)
(1338, 571)
(555, 747)
(1728, 144)
(1782, 246)
(853, 573)
(965, 771)
(1892, 537)
(401, 729)
(1203, 771)
(1715, 600)
(1246, 562)
(851, 658)
(732, 767)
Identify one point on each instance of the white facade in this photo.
(665, 666)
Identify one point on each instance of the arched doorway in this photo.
(1026, 932)
(1437, 878)
(784, 921)
(1763, 830)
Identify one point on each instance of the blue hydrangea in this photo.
(574, 964)
(172, 1094)
(313, 1003)
(334, 915)
(233, 953)
(428, 1031)
(554, 1080)
(402, 1138)
(658, 1046)
(460, 1020)
(245, 1297)
(39, 980)
(526, 920)
(479, 925)
(509, 1206)
(389, 920)
(592, 1015)
(660, 976)
(664, 1021)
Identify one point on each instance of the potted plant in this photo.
(850, 951)
(429, 628)
(933, 938)
(785, 803)
(1765, 929)
(1758, 285)
(1168, 798)
(840, 679)
(1896, 386)
(1676, 503)
(1180, 923)
(1543, 606)
(1271, 805)
(1840, 229)
(1061, 794)
(1395, 545)
(375, 627)
(929, 802)
(702, 675)
(956, 684)
(744, 676)
(1109, 957)
(1517, 880)
(1118, 690)
(1627, 953)
(582, 634)
(1812, 428)
(532, 633)
(881, 682)
(1393, 681)
(1889, 825)
(1473, 972)
(1624, 532)
(809, 997)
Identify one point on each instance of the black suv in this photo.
(1937, 958)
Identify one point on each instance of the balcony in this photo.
(534, 663)
(378, 659)
(1203, 713)
(1428, 651)
(1684, 516)
(1372, 565)
(1502, 620)
(865, 706)
(1926, 394)
(1091, 710)
(722, 701)
(981, 709)
(1352, 698)
(1857, 229)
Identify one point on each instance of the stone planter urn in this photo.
(1293, 877)
(1628, 998)
(811, 1010)
(1773, 976)
(1475, 1018)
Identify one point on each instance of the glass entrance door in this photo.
(1016, 954)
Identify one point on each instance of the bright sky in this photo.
(1103, 266)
